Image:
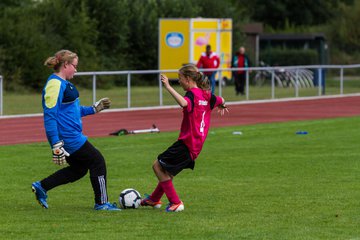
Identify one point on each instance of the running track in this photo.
(30, 129)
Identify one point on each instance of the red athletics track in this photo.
(30, 129)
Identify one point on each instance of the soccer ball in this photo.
(129, 198)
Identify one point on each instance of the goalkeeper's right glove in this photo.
(59, 153)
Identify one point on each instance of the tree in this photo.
(344, 33)
(111, 18)
(23, 47)
(298, 13)
(14, 3)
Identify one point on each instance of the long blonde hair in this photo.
(191, 71)
(62, 56)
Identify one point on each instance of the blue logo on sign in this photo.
(174, 39)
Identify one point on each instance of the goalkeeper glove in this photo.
(102, 104)
(59, 153)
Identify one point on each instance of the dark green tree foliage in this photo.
(298, 13)
(345, 30)
(82, 35)
(68, 26)
(123, 34)
(14, 3)
(22, 44)
(31, 34)
(178, 9)
(112, 28)
(218, 9)
(143, 42)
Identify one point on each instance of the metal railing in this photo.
(128, 82)
(273, 73)
(272, 70)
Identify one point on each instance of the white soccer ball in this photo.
(129, 198)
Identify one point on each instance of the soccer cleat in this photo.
(107, 206)
(148, 202)
(175, 207)
(40, 194)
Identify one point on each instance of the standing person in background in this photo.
(240, 60)
(63, 126)
(197, 105)
(209, 59)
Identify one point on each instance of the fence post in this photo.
(129, 90)
(297, 83)
(341, 81)
(272, 84)
(247, 84)
(320, 81)
(94, 88)
(160, 90)
(220, 83)
(1, 95)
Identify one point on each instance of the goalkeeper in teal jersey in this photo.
(63, 126)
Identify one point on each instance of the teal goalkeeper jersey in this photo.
(63, 113)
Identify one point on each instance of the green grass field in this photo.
(141, 96)
(267, 183)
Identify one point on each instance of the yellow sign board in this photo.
(181, 41)
(173, 44)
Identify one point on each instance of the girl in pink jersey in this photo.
(197, 105)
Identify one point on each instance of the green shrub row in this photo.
(289, 57)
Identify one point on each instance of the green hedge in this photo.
(289, 57)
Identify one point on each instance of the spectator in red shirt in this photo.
(209, 59)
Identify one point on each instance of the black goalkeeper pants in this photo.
(84, 159)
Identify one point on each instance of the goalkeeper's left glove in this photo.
(102, 104)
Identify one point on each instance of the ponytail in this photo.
(193, 72)
(56, 61)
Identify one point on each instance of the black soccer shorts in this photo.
(176, 158)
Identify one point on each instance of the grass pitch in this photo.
(267, 183)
